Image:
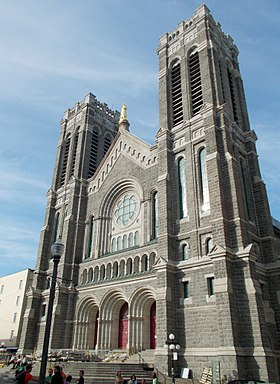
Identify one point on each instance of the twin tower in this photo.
(175, 237)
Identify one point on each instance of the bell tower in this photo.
(217, 198)
(87, 131)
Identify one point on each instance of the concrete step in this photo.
(99, 372)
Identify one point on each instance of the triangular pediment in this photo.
(128, 145)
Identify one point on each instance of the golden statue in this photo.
(123, 113)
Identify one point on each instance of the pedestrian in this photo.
(118, 378)
(19, 371)
(57, 377)
(68, 379)
(132, 379)
(48, 378)
(143, 381)
(81, 379)
(155, 379)
(25, 376)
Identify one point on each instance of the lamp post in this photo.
(171, 345)
(56, 252)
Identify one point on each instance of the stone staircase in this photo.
(99, 372)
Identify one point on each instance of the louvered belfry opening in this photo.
(74, 155)
(195, 83)
(93, 154)
(176, 88)
(232, 95)
(107, 143)
(65, 161)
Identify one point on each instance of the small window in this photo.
(15, 317)
(17, 300)
(12, 334)
(185, 252)
(20, 284)
(44, 306)
(211, 286)
(186, 289)
(2, 289)
(208, 245)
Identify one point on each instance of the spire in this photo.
(123, 122)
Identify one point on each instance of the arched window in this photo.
(109, 271)
(130, 240)
(90, 275)
(84, 276)
(102, 272)
(185, 252)
(136, 238)
(65, 161)
(119, 243)
(93, 154)
(195, 83)
(56, 226)
(203, 181)
(208, 245)
(155, 215)
(90, 236)
(74, 154)
(115, 269)
(176, 92)
(114, 245)
(144, 263)
(125, 242)
(96, 273)
(129, 267)
(182, 188)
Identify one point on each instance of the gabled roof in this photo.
(128, 145)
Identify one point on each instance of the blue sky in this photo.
(55, 52)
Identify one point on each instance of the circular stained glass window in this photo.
(126, 210)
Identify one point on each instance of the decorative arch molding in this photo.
(86, 325)
(117, 190)
(106, 212)
(140, 331)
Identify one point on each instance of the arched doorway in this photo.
(123, 326)
(153, 321)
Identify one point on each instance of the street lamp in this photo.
(56, 252)
(171, 345)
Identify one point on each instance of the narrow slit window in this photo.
(155, 215)
(203, 181)
(182, 188)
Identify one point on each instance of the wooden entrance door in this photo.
(123, 326)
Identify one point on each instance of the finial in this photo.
(123, 114)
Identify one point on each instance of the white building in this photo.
(12, 305)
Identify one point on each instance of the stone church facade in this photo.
(175, 237)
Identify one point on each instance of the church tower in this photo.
(225, 244)
(87, 131)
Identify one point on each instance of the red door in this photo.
(153, 321)
(123, 326)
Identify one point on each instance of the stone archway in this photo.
(86, 327)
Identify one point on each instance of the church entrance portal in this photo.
(123, 326)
